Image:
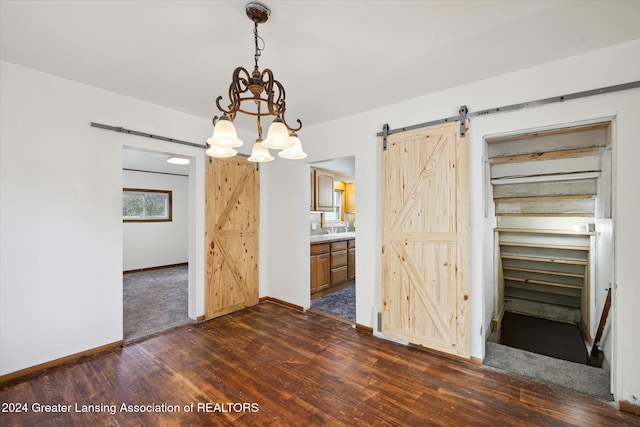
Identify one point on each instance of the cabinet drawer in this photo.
(339, 246)
(338, 259)
(338, 275)
(322, 248)
(351, 243)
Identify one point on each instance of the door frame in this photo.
(325, 164)
(196, 214)
(491, 262)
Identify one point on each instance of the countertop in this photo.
(322, 238)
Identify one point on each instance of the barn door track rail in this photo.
(463, 113)
(145, 134)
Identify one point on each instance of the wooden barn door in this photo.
(425, 239)
(233, 189)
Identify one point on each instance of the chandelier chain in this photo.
(259, 50)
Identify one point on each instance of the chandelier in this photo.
(257, 94)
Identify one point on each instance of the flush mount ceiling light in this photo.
(178, 160)
(257, 94)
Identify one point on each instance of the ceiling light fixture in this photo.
(178, 160)
(257, 94)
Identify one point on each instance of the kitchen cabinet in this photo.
(351, 259)
(323, 190)
(312, 199)
(323, 185)
(332, 266)
(338, 262)
(320, 267)
(350, 197)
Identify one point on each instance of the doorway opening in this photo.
(155, 252)
(332, 228)
(550, 193)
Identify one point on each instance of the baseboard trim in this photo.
(201, 318)
(58, 362)
(476, 361)
(629, 407)
(472, 360)
(281, 302)
(330, 316)
(138, 270)
(365, 329)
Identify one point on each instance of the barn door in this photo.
(232, 236)
(425, 239)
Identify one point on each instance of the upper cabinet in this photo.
(332, 192)
(350, 197)
(323, 190)
(312, 205)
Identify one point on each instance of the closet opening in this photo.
(550, 193)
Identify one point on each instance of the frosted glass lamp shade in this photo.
(278, 136)
(220, 152)
(260, 153)
(295, 151)
(224, 134)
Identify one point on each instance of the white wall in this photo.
(60, 266)
(60, 212)
(345, 165)
(154, 244)
(287, 274)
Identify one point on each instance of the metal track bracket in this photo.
(463, 120)
(385, 134)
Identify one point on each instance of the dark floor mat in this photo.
(341, 303)
(542, 336)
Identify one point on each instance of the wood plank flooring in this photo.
(272, 366)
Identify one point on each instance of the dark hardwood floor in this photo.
(272, 366)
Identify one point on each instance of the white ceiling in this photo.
(150, 161)
(335, 58)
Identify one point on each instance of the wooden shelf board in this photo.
(542, 282)
(541, 259)
(544, 231)
(558, 300)
(571, 214)
(550, 272)
(548, 155)
(543, 198)
(543, 246)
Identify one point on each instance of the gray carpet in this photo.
(155, 301)
(575, 376)
(341, 303)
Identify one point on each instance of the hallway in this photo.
(154, 301)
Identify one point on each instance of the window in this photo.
(145, 205)
(334, 216)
